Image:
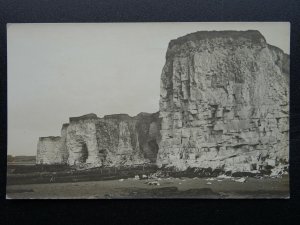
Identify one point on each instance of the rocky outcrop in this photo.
(50, 151)
(53, 150)
(224, 102)
(113, 140)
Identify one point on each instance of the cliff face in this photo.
(224, 102)
(113, 140)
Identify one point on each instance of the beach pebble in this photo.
(155, 183)
(241, 180)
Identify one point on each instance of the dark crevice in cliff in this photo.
(84, 153)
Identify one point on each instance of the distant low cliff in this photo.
(113, 140)
(224, 104)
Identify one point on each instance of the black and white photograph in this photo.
(192, 110)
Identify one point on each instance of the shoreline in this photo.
(170, 187)
(35, 174)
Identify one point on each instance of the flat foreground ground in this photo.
(167, 188)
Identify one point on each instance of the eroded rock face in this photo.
(125, 140)
(113, 140)
(81, 140)
(224, 102)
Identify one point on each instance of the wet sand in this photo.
(169, 188)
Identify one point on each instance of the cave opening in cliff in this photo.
(84, 153)
(154, 150)
(103, 154)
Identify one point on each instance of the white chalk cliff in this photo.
(224, 103)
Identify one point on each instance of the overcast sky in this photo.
(56, 71)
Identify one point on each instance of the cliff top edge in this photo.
(92, 116)
(52, 138)
(84, 117)
(253, 35)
